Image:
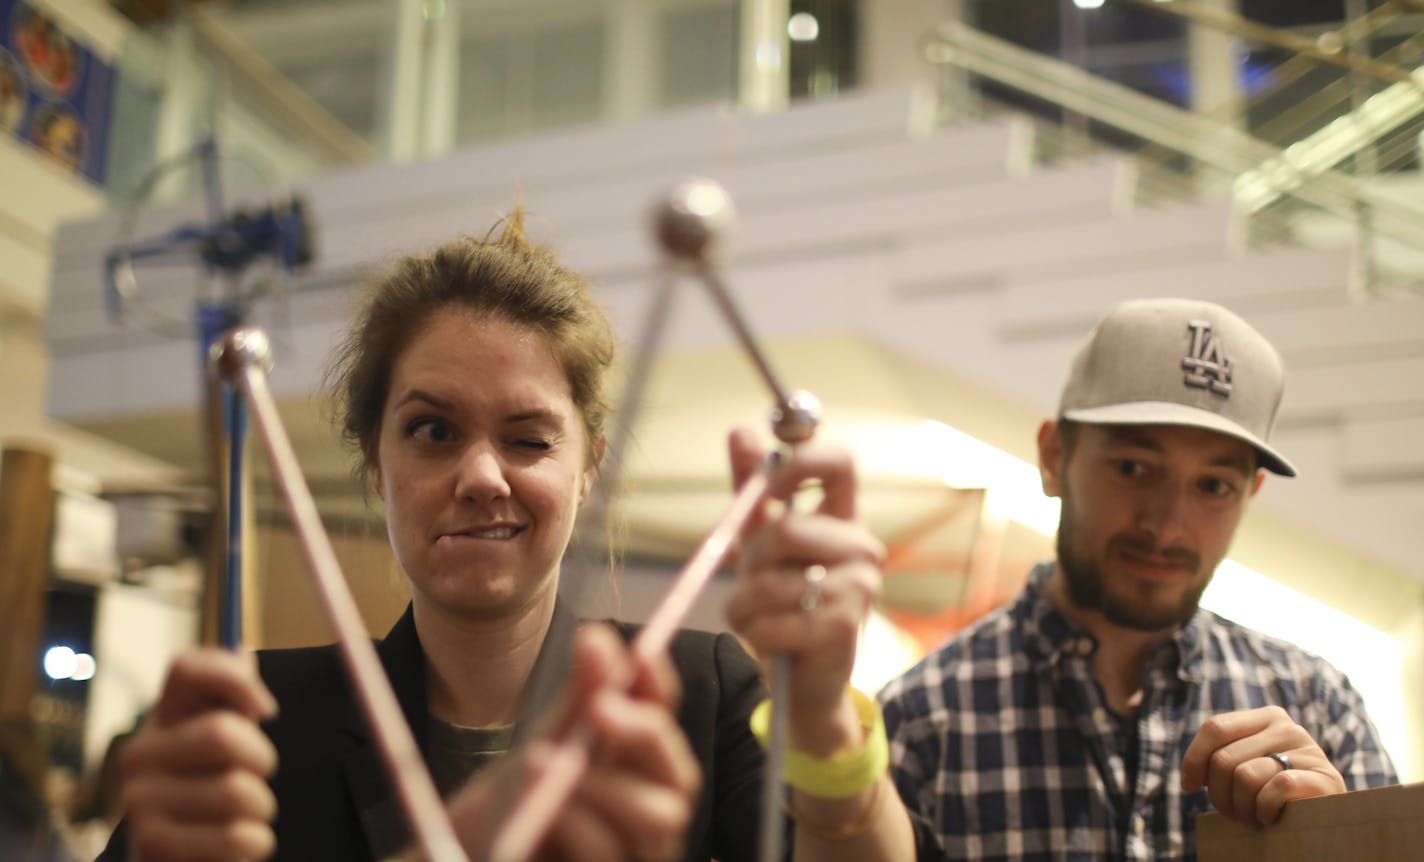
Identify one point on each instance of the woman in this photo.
(472, 387)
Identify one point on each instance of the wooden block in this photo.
(1386, 823)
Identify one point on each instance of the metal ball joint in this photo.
(795, 421)
(242, 348)
(693, 219)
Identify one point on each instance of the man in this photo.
(1099, 714)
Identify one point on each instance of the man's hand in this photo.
(1230, 757)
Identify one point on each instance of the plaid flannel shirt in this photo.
(1003, 748)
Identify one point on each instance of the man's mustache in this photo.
(1143, 545)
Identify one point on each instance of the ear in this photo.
(1050, 458)
(590, 473)
(1257, 482)
(379, 485)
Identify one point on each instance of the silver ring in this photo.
(811, 598)
(1280, 758)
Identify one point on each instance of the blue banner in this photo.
(55, 94)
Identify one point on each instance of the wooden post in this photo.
(26, 524)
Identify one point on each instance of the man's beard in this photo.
(1087, 585)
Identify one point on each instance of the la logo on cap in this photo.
(1206, 363)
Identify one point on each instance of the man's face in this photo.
(1148, 513)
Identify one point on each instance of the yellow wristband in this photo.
(845, 773)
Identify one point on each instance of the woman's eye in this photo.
(534, 444)
(430, 431)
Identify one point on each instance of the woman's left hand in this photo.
(807, 583)
(636, 797)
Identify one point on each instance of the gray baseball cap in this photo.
(1179, 362)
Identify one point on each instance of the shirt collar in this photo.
(1049, 635)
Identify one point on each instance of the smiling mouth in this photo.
(493, 533)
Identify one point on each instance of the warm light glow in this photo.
(59, 662)
(883, 652)
(803, 27)
(1088, 4)
(84, 667)
(931, 448)
(1372, 659)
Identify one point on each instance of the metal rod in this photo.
(230, 624)
(543, 798)
(723, 298)
(689, 224)
(772, 838)
(240, 359)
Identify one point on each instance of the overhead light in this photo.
(803, 27)
(1088, 4)
(60, 662)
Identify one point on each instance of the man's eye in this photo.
(1128, 468)
(429, 430)
(1217, 487)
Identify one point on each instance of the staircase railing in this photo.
(1362, 113)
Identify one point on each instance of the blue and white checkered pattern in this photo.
(1002, 746)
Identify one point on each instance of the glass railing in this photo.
(1312, 137)
(290, 88)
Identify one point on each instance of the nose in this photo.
(480, 475)
(1163, 513)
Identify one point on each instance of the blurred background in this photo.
(937, 198)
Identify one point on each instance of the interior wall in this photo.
(292, 613)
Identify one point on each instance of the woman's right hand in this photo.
(195, 774)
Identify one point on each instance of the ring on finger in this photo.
(811, 596)
(1281, 758)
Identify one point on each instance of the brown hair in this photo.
(503, 275)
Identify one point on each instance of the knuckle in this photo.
(150, 840)
(1214, 727)
(226, 730)
(1221, 761)
(1277, 714)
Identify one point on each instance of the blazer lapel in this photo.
(372, 795)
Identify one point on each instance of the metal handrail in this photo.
(1204, 139)
(1236, 25)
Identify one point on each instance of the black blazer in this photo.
(333, 798)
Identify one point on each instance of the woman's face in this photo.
(482, 465)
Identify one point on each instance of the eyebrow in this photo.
(537, 414)
(422, 395)
(533, 414)
(1137, 437)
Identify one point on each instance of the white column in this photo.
(765, 72)
(891, 34)
(440, 107)
(631, 63)
(1214, 60)
(183, 106)
(401, 89)
(1214, 65)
